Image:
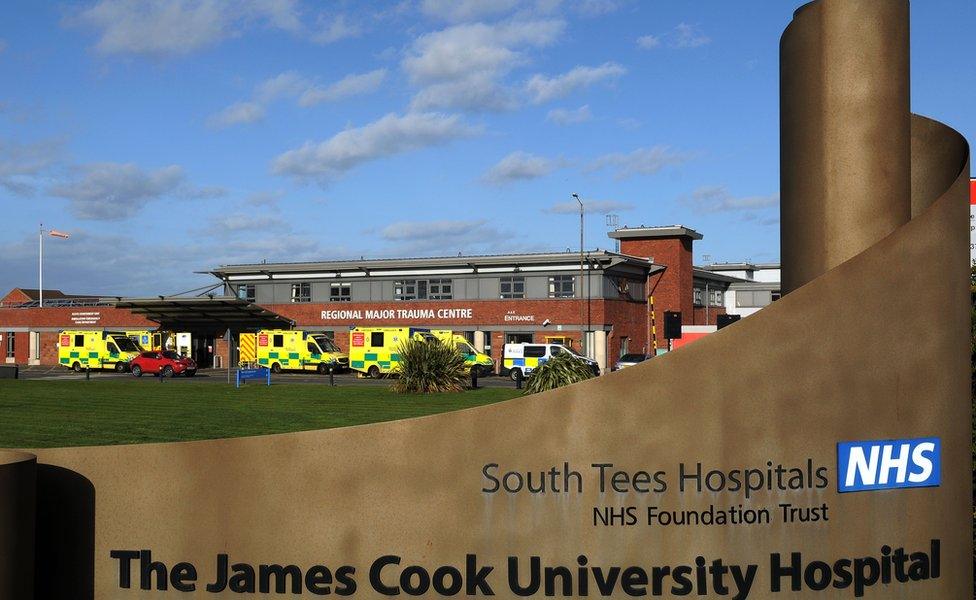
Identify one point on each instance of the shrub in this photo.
(562, 369)
(429, 366)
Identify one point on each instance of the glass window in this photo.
(171, 355)
(562, 286)
(376, 338)
(512, 287)
(423, 289)
(245, 291)
(313, 348)
(340, 292)
(716, 297)
(126, 344)
(277, 340)
(301, 292)
(439, 289)
(753, 299)
(79, 340)
(111, 348)
(405, 290)
(534, 351)
(699, 297)
(11, 342)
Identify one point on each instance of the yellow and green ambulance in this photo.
(78, 349)
(287, 350)
(374, 350)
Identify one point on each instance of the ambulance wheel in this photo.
(373, 372)
(120, 367)
(76, 367)
(476, 371)
(137, 370)
(514, 374)
(322, 368)
(275, 368)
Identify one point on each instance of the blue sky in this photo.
(170, 137)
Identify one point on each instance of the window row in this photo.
(514, 287)
(715, 297)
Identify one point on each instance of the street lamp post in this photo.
(582, 328)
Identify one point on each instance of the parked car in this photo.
(166, 363)
(629, 360)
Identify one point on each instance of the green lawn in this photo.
(37, 414)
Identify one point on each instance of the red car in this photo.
(166, 363)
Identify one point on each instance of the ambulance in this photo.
(374, 350)
(288, 350)
(524, 358)
(179, 342)
(477, 362)
(78, 350)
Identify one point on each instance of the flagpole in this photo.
(40, 265)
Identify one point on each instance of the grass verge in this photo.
(44, 414)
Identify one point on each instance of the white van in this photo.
(523, 358)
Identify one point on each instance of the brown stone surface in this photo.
(824, 364)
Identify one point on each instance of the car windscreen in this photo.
(632, 358)
(126, 344)
(465, 348)
(171, 355)
(572, 351)
(325, 343)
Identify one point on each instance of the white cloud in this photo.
(22, 164)
(241, 222)
(713, 199)
(157, 27)
(286, 84)
(463, 66)
(266, 199)
(68, 264)
(237, 114)
(643, 161)
(444, 237)
(475, 93)
(600, 207)
(350, 85)
(291, 84)
(648, 42)
(181, 27)
(543, 89)
(520, 166)
(596, 8)
(331, 30)
(465, 10)
(389, 135)
(565, 116)
(116, 191)
(687, 36)
(458, 52)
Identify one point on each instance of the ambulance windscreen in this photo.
(126, 344)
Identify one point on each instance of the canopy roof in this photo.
(204, 313)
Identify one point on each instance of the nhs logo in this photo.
(888, 464)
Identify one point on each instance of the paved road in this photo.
(220, 376)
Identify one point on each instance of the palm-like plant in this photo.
(429, 366)
(562, 369)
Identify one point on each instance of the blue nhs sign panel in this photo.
(888, 464)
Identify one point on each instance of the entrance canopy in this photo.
(204, 314)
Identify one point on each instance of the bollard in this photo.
(518, 379)
(332, 375)
(87, 373)
(474, 378)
